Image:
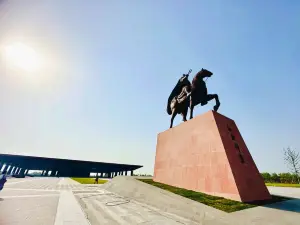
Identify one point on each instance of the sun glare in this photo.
(22, 57)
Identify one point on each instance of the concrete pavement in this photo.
(58, 201)
(25, 206)
(41, 201)
(281, 213)
(51, 201)
(110, 209)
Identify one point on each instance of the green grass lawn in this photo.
(88, 180)
(213, 201)
(283, 185)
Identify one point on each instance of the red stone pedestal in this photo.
(208, 154)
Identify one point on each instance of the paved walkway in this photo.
(42, 201)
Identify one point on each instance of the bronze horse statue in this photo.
(186, 94)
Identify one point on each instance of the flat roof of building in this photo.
(8, 157)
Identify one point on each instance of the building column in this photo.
(26, 172)
(12, 171)
(9, 169)
(1, 164)
(20, 171)
(131, 173)
(15, 170)
(126, 173)
(5, 167)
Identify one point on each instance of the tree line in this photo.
(287, 178)
(292, 160)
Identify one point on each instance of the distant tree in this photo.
(285, 178)
(275, 178)
(292, 160)
(266, 177)
(294, 179)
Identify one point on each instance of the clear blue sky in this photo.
(112, 64)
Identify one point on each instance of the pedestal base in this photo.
(208, 154)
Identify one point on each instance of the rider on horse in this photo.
(178, 93)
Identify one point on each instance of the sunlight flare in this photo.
(22, 57)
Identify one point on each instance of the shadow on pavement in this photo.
(281, 203)
(291, 204)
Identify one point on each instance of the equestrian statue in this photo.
(187, 95)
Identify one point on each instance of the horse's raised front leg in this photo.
(216, 97)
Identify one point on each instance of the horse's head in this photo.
(206, 73)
